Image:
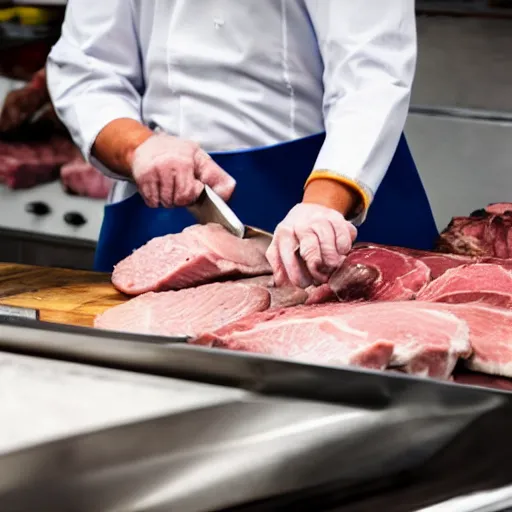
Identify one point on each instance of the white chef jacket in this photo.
(237, 74)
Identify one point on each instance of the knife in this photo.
(210, 207)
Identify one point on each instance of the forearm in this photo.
(115, 144)
(333, 194)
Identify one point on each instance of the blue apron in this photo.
(270, 182)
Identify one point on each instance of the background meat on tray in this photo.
(24, 165)
(374, 273)
(188, 312)
(482, 282)
(379, 335)
(197, 255)
(486, 232)
(81, 178)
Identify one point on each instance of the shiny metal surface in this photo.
(211, 208)
(304, 436)
(18, 312)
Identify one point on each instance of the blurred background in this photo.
(459, 129)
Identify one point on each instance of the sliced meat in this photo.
(374, 273)
(81, 178)
(25, 165)
(197, 255)
(419, 340)
(187, 312)
(491, 337)
(482, 282)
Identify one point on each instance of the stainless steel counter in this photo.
(221, 429)
(42, 400)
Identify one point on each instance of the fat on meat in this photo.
(481, 282)
(198, 255)
(187, 312)
(378, 335)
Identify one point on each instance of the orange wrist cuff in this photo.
(364, 196)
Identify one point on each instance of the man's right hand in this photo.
(168, 171)
(172, 172)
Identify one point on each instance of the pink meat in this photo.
(280, 297)
(491, 337)
(197, 255)
(374, 273)
(419, 340)
(187, 312)
(83, 179)
(485, 233)
(27, 165)
(482, 282)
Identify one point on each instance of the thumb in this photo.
(209, 173)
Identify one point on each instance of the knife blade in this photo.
(212, 208)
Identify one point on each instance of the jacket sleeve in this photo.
(369, 55)
(94, 72)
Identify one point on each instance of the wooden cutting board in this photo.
(63, 296)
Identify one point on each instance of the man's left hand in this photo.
(309, 245)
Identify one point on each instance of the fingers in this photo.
(309, 245)
(318, 253)
(292, 269)
(209, 173)
(149, 190)
(187, 188)
(172, 172)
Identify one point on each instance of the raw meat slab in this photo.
(490, 331)
(482, 282)
(420, 340)
(197, 255)
(485, 233)
(187, 312)
(374, 273)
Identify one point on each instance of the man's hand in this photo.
(172, 172)
(168, 171)
(309, 245)
(313, 239)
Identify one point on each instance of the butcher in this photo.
(291, 110)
